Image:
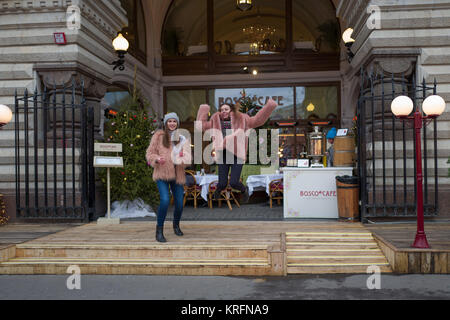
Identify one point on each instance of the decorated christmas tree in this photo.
(133, 127)
(249, 106)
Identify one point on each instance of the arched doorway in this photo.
(213, 37)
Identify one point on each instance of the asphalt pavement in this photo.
(202, 288)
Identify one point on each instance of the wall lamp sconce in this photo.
(348, 41)
(5, 115)
(120, 45)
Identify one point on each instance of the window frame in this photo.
(134, 48)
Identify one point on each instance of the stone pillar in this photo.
(63, 76)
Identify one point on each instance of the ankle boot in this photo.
(177, 230)
(160, 235)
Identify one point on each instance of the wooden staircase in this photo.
(333, 252)
(145, 259)
(208, 248)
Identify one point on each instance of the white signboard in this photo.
(108, 162)
(311, 192)
(342, 133)
(108, 147)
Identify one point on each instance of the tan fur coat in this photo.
(173, 168)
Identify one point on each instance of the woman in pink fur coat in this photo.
(228, 127)
(169, 153)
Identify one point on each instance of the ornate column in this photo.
(63, 76)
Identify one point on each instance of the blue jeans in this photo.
(178, 196)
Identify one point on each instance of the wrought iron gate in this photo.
(54, 148)
(386, 149)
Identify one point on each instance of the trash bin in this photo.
(348, 198)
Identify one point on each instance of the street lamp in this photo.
(120, 45)
(5, 115)
(244, 5)
(348, 41)
(433, 107)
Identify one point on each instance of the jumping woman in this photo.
(230, 124)
(169, 153)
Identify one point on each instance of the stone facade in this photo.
(414, 37)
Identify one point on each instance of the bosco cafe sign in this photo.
(283, 96)
(260, 100)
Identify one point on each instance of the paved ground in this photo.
(304, 287)
(249, 212)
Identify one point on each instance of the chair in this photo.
(228, 47)
(192, 190)
(266, 44)
(276, 191)
(218, 47)
(226, 195)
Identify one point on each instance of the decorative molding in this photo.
(61, 75)
(108, 16)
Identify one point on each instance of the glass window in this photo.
(314, 26)
(142, 35)
(283, 96)
(135, 32)
(261, 30)
(317, 102)
(185, 103)
(185, 29)
(292, 144)
(116, 99)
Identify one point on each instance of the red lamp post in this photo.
(433, 107)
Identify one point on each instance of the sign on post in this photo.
(108, 163)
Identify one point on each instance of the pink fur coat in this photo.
(240, 123)
(173, 168)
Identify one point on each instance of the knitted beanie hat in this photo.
(169, 116)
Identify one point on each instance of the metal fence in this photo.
(54, 154)
(386, 145)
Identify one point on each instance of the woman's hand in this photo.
(161, 160)
(181, 154)
(272, 103)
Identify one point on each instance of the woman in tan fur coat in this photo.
(169, 153)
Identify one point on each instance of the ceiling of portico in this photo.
(156, 11)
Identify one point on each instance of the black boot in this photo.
(245, 195)
(177, 230)
(160, 235)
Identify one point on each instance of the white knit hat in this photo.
(169, 116)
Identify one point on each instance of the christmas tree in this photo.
(249, 106)
(133, 127)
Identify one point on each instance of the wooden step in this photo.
(332, 260)
(333, 252)
(138, 266)
(141, 251)
(334, 269)
(344, 252)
